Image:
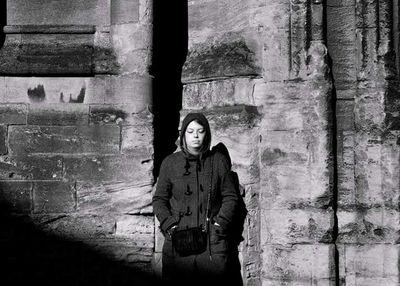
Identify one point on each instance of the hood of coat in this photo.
(202, 120)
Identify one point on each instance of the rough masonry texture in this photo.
(305, 95)
(76, 142)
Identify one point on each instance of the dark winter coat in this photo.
(181, 196)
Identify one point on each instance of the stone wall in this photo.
(258, 69)
(366, 80)
(303, 93)
(76, 154)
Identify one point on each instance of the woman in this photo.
(195, 190)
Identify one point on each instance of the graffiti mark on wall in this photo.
(72, 99)
(37, 94)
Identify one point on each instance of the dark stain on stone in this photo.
(378, 232)
(222, 59)
(107, 115)
(392, 122)
(327, 237)
(324, 201)
(80, 98)
(37, 94)
(270, 157)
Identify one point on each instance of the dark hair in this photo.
(202, 120)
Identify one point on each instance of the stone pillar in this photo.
(364, 69)
(76, 134)
(222, 67)
(296, 167)
(258, 70)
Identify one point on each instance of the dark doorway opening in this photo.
(170, 45)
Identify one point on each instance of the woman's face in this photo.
(194, 136)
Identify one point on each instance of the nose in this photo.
(196, 134)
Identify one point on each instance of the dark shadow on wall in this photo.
(29, 256)
(3, 20)
(170, 45)
(334, 147)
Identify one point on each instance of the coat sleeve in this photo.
(161, 198)
(229, 194)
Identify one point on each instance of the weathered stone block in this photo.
(62, 12)
(346, 164)
(376, 174)
(104, 57)
(125, 251)
(111, 168)
(293, 148)
(37, 53)
(65, 139)
(124, 12)
(305, 282)
(369, 264)
(298, 42)
(127, 114)
(130, 88)
(242, 146)
(275, 58)
(298, 263)
(218, 93)
(367, 69)
(136, 137)
(31, 168)
(374, 225)
(341, 3)
(369, 111)
(16, 196)
(345, 115)
(3, 140)
(220, 15)
(224, 117)
(311, 99)
(2, 87)
(341, 43)
(293, 188)
(58, 114)
(251, 233)
(51, 90)
(291, 115)
(132, 44)
(146, 11)
(139, 229)
(251, 196)
(296, 226)
(390, 185)
(318, 68)
(125, 197)
(365, 11)
(53, 197)
(77, 226)
(233, 55)
(296, 172)
(13, 114)
(276, 15)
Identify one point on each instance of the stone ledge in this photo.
(50, 29)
